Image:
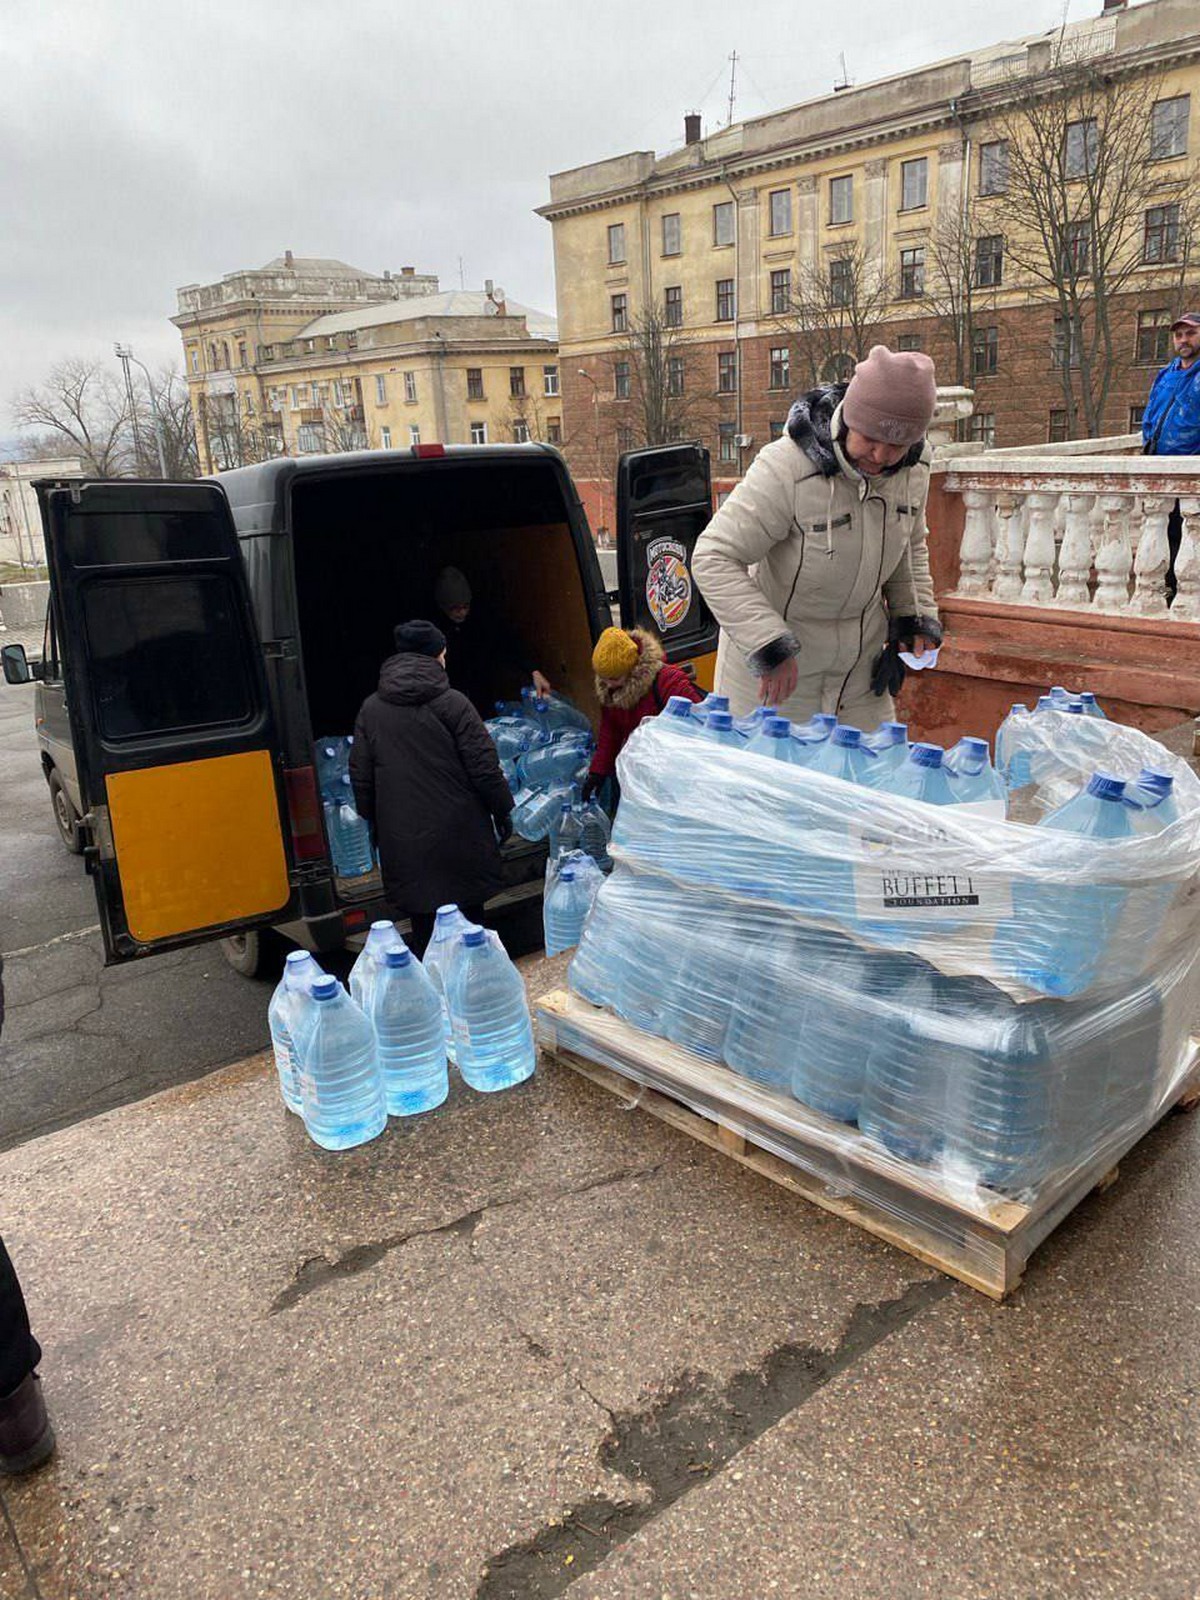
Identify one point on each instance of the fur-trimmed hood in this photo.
(641, 680)
(810, 426)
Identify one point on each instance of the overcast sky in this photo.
(146, 144)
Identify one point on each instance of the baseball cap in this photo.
(1189, 319)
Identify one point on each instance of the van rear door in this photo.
(664, 503)
(179, 765)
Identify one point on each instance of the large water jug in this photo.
(594, 970)
(332, 755)
(848, 995)
(535, 815)
(975, 781)
(1155, 795)
(567, 831)
(341, 1086)
(772, 739)
(811, 735)
(510, 736)
(889, 744)
(349, 834)
(541, 720)
(381, 938)
(711, 702)
(1012, 763)
(843, 755)
(677, 715)
(1057, 939)
(551, 765)
(406, 1011)
(749, 725)
(922, 776)
(1091, 706)
(719, 729)
(564, 911)
(449, 925)
(595, 833)
(765, 1038)
(493, 1034)
(696, 969)
(908, 1066)
(284, 1017)
(562, 714)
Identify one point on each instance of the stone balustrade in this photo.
(1066, 527)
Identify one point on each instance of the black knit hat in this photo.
(419, 638)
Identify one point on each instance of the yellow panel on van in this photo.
(198, 844)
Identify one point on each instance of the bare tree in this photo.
(1073, 213)
(656, 370)
(955, 296)
(82, 409)
(836, 311)
(233, 438)
(176, 425)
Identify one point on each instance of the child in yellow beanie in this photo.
(633, 682)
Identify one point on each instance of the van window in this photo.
(128, 538)
(166, 654)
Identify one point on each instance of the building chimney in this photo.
(287, 259)
(408, 272)
(691, 127)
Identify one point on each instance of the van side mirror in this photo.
(17, 667)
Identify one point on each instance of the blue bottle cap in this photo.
(325, 989)
(777, 727)
(294, 957)
(1045, 703)
(567, 875)
(926, 755)
(976, 747)
(1160, 782)
(1021, 707)
(850, 737)
(383, 923)
(474, 937)
(1059, 693)
(1074, 707)
(443, 912)
(397, 958)
(1086, 697)
(1106, 787)
(720, 719)
(824, 719)
(678, 706)
(898, 730)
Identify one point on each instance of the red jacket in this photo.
(617, 722)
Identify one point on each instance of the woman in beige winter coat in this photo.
(816, 566)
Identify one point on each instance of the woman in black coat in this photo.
(427, 777)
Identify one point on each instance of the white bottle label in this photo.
(909, 878)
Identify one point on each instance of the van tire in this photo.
(66, 818)
(257, 953)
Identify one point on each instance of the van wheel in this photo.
(257, 953)
(66, 818)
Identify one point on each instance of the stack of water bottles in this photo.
(349, 834)
(346, 1062)
(851, 923)
(575, 869)
(545, 746)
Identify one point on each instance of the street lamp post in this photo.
(124, 354)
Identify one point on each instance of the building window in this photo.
(195, 355)
(475, 383)
(989, 261)
(1169, 127)
(982, 428)
(673, 306)
(241, 355)
(775, 428)
(725, 300)
(248, 403)
(516, 383)
(1077, 249)
(781, 290)
(520, 431)
(380, 389)
(1081, 147)
(293, 398)
(616, 244)
(909, 341)
(550, 382)
(352, 339)
(414, 434)
(723, 222)
(1136, 413)
(912, 273)
(727, 372)
(841, 281)
(841, 200)
(620, 313)
(621, 380)
(672, 234)
(993, 167)
(410, 386)
(727, 441)
(330, 342)
(985, 347)
(1064, 352)
(479, 433)
(1161, 238)
(1058, 431)
(385, 438)
(310, 438)
(675, 371)
(553, 430)
(781, 212)
(780, 367)
(1153, 337)
(626, 440)
(914, 184)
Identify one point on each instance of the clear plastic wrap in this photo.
(851, 952)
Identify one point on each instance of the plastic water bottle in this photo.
(848, 1004)
(975, 780)
(595, 833)
(922, 775)
(567, 831)
(349, 834)
(539, 715)
(381, 938)
(772, 738)
(811, 735)
(331, 760)
(493, 1034)
(562, 714)
(711, 702)
(1091, 706)
(843, 755)
(1013, 764)
(907, 1070)
(1057, 939)
(677, 715)
(564, 911)
(406, 1011)
(748, 725)
(889, 742)
(593, 970)
(1004, 1109)
(549, 765)
(1059, 697)
(719, 729)
(341, 1086)
(765, 1039)
(449, 925)
(1155, 794)
(284, 1017)
(694, 973)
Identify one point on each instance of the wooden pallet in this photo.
(983, 1240)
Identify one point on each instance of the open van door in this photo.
(664, 503)
(179, 768)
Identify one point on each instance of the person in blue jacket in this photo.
(1171, 420)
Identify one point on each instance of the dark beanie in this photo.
(419, 638)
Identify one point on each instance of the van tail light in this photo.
(423, 452)
(304, 813)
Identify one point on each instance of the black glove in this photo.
(903, 631)
(503, 827)
(888, 671)
(590, 785)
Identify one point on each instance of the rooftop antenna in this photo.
(462, 282)
(732, 85)
(844, 81)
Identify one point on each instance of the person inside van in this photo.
(426, 776)
(483, 659)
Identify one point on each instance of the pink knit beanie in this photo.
(891, 396)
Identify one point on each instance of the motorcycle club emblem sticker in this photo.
(668, 583)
